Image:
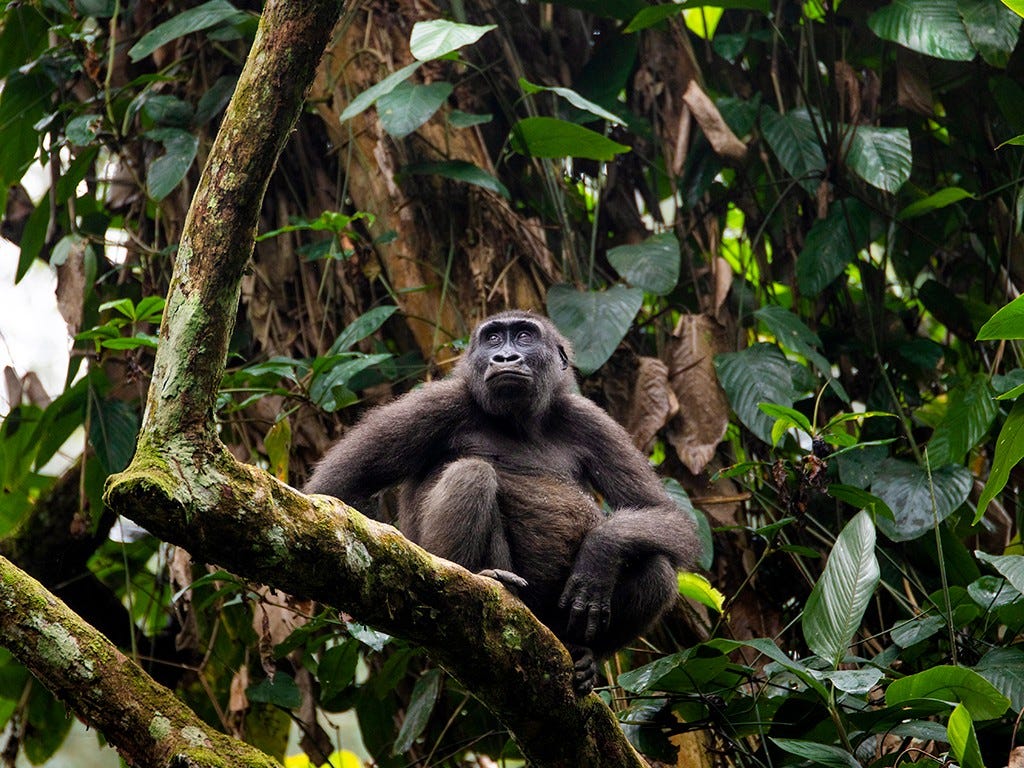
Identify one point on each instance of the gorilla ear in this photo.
(563, 356)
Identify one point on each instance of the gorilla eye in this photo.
(524, 337)
(493, 338)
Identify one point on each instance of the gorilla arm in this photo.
(645, 533)
(392, 443)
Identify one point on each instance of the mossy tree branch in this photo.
(186, 489)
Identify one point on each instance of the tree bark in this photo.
(185, 487)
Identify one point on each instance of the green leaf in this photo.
(1006, 323)
(459, 119)
(837, 602)
(550, 137)
(652, 266)
(459, 170)
(337, 668)
(167, 171)
(361, 327)
(329, 387)
(112, 432)
(933, 202)
(819, 754)
(653, 15)
(281, 691)
(48, 724)
(791, 332)
(696, 587)
(758, 374)
(1017, 6)
(832, 244)
(193, 20)
(1004, 668)
(573, 98)
(855, 681)
(795, 143)
(882, 157)
(368, 98)
(593, 321)
(931, 27)
(785, 419)
(906, 489)
(860, 499)
(1009, 452)
(992, 28)
(1010, 566)
(278, 442)
(953, 684)
(83, 129)
(421, 705)
(963, 741)
(409, 106)
(438, 37)
(23, 101)
(971, 411)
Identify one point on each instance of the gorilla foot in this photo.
(510, 581)
(584, 667)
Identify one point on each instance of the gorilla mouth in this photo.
(508, 376)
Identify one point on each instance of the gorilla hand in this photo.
(588, 599)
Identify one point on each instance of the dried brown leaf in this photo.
(725, 143)
(1016, 758)
(237, 700)
(703, 409)
(653, 403)
(848, 87)
(71, 286)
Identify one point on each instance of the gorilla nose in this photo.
(506, 356)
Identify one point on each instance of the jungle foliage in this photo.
(785, 240)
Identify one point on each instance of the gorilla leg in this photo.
(459, 519)
(645, 590)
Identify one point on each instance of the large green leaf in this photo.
(795, 143)
(573, 98)
(23, 100)
(369, 97)
(818, 754)
(410, 105)
(112, 432)
(280, 691)
(793, 334)
(421, 705)
(459, 170)
(838, 600)
(551, 137)
(758, 374)
(361, 327)
(1009, 452)
(953, 684)
(1004, 668)
(906, 488)
(882, 157)
(932, 27)
(652, 265)
(972, 409)
(963, 741)
(167, 171)
(1007, 323)
(934, 201)
(193, 20)
(992, 28)
(439, 37)
(1017, 6)
(832, 244)
(1010, 566)
(593, 321)
(48, 722)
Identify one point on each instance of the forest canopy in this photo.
(785, 241)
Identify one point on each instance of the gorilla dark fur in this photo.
(497, 465)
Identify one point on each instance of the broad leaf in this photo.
(1010, 566)
(1004, 668)
(459, 170)
(860, 499)
(439, 37)
(112, 433)
(963, 741)
(791, 332)
(1009, 452)
(906, 488)
(931, 27)
(818, 754)
(550, 137)
(972, 409)
(832, 244)
(795, 142)
(280, 691)
(368, 98)
(361, 327)
(193, 20)
(696, 587)
(410, 105)
(421, 705)
(1007, 323)
(758, 374)
(952, 684)
(881, 156)
(933, 202)
(992, 28)
(652, 265)
(573, 98)
(167, 171)
(838, 600)
(594, 321)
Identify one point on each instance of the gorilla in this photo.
(499, 466)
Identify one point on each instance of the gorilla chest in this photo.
(520, 456)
